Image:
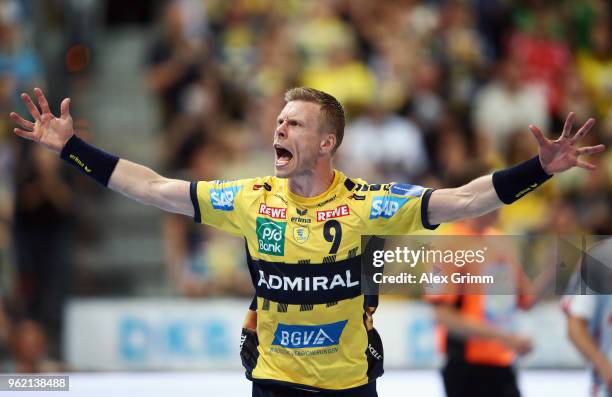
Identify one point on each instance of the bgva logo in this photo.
(304, 336)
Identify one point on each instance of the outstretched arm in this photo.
(490, 192)
(130, 179)
(148, 187)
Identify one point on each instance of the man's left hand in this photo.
(562, 154)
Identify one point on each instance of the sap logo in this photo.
(273, 212)
(341, 210)
(222, 198)
(405, 189)
(308, 336)
(386, 206)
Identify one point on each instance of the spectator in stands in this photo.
(203, 262)
(539, 48)
(460, 49)
(5, 325)
(426, 102)
(175, 59)
(506, 105)
(589, 310)
(451, 146)
(345, 77)
(392, 144)
(30, 350)
(321, 33)
(596, 67)
(43, 208)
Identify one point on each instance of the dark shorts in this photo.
(463, 380)
(260, 390)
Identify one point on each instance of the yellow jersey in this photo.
(304, 256)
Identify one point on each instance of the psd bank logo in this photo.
(270, 236)
(386, 206)
(222, 198)
(308, 336)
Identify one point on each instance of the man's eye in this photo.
(293, 123)
(280, 121)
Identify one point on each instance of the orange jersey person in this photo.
(477, 330)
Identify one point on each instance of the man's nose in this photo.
(281, 131)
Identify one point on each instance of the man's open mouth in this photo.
(283, 156)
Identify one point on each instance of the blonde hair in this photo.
(332, 113)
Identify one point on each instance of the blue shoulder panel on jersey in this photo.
(406, 189)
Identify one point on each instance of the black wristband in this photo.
(513, 183)
(89, 159)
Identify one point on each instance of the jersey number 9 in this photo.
(334, 238)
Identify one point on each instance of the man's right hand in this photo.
(133, 180)
(52, 132)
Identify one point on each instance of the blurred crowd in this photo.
(432, 90)
(35, 213)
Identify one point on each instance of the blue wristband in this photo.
(90, 160)
(513, 183)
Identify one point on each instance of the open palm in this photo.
(562, 154)
(52, 132)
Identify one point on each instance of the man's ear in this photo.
(327, 144)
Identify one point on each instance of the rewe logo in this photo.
(386, 206)
(273, 212)
(339, 211)
(223, 198)
(304, 336)
(271, 236)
